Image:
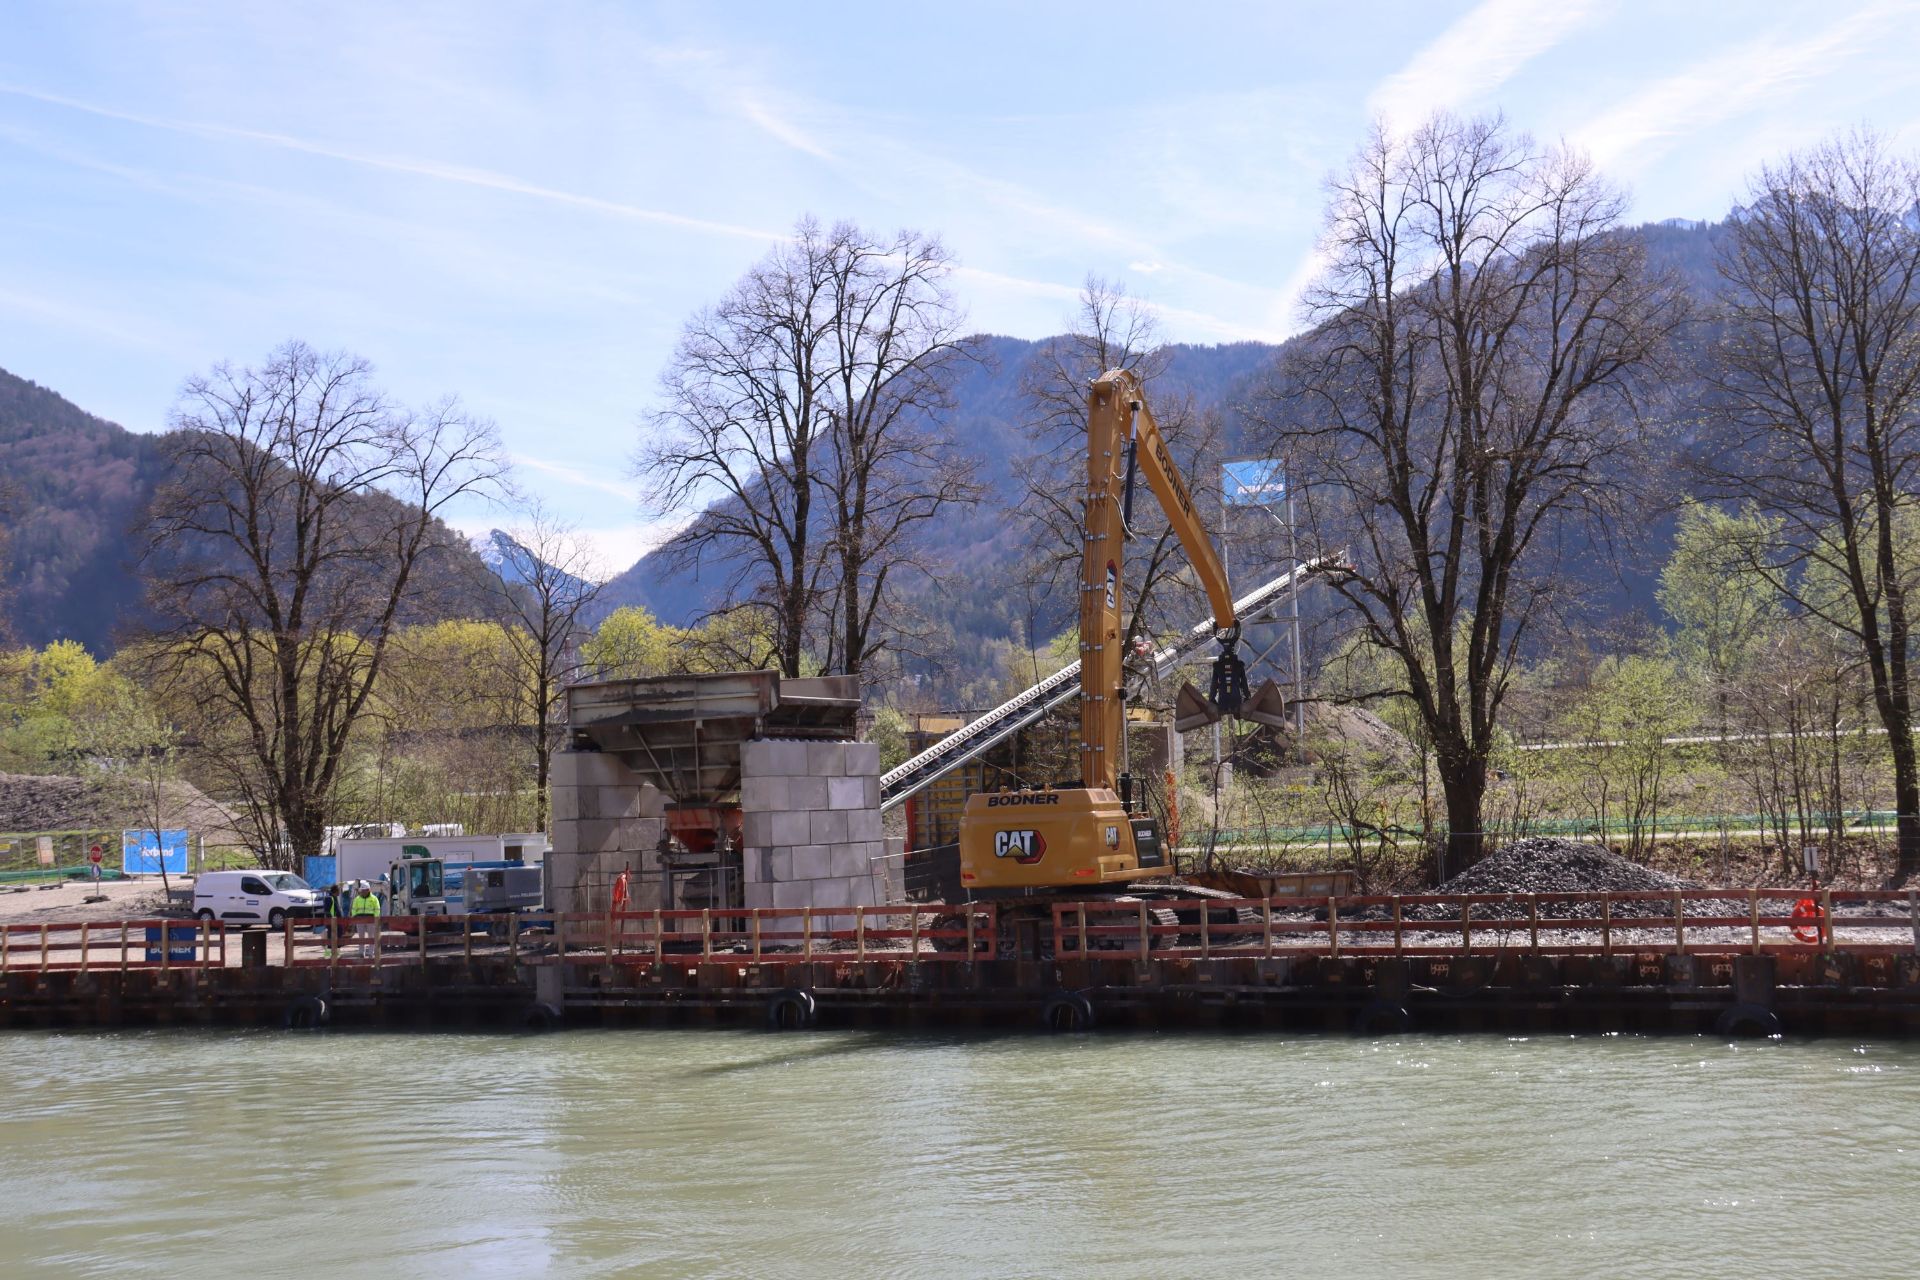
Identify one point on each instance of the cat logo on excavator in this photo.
(1024, 847)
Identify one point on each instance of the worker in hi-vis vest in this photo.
(365, 903)
(337, 899)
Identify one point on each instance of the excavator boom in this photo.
(1122, 434)
(1088, 835)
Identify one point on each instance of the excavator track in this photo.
(1176, 891)
(1169, 904)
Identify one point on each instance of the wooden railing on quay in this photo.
(113, 944)
(1697, 921)
(1454, 924)
(916, 932)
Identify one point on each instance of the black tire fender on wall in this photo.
(1747, 1022)
(792, 1010)
(1067, 1011)
(541, 1017)
(305, 1013)
(1383, 1018)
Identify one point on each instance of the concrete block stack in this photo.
(810, 814)
(605, 818)
(892, 874)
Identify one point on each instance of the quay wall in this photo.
(1867, 993)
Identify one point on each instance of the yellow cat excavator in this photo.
(1090, 835)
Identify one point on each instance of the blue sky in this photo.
(521, 203)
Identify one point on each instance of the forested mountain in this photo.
(987, 539)
(74, 493)
(981, 599)
(73, 488)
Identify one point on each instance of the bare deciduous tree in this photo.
(284, 551)
(1821, 373)
(1468, 397)
(800, 415)
(546, 589)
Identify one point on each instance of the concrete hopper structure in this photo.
(659, 778)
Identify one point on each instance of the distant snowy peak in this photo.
(499, 552)
(514, 565)
(487, 547)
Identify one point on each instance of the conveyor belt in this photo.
(1027, 708)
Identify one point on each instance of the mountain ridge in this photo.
(74, 486)
(74, 494)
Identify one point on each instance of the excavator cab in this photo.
(1018, 843)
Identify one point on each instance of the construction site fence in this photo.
(1876, 822)
(66, 851)
(1696, 921)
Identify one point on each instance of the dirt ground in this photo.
(66, 901)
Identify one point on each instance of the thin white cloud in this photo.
(1185, 323)
(1188, 325)
(581, 479)
(1481, 51)
(1728, 85)
(1293, 295)
(778, 126)
(483, 178)
(720, 80)
(475, 260)
(94, 322)
(491, 181)
(1056, 221)
(1475, 56)
(880, 162)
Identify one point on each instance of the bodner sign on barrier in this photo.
(147, 853)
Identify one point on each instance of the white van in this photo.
(253, 897)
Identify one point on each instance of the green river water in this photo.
(846, 1155)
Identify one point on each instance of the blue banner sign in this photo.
(180, 943)
(144, 853)
(1257, 482)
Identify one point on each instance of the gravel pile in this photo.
(1546, 864)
